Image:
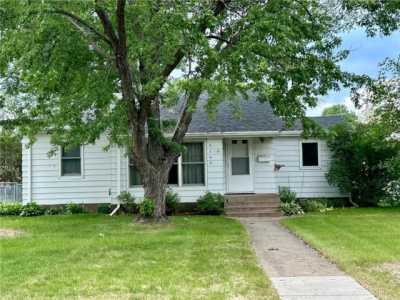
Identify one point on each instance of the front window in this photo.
(310, 154)
(71, 161)
(187, 170)
(193, 164)
(135, 180)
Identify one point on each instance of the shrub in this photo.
(211, 204)
(55, 211)
(32, 209)
(392, 195)
(364, 160)
(146, 208)
(104, 208)
(74, 208)
(313, 205)
(10, 209)
(286, 195)
(171, 201)
(291, 208)
(127, 201)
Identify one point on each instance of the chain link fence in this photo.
(10, 192)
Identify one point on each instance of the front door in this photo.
(239, 168)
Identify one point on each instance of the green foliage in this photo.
(392, 195)
(10, 156)
(211, 204)
(171, 201)
(286, 195)
(60, 69)
(359, 161)
(340, 110)
(291, 208)
(32, 209)
(146, 208)
(289, 205)
(59, 210)
(313, 205)
(74, 208)
(10, 209)
(104, 208)
(127, 201)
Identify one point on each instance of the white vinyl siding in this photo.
(306, 182)
(49, 187)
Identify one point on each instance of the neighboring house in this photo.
(225, 154)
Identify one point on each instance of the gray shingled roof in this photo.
(253, 116)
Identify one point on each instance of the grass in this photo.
(365, 243)
(102, 257)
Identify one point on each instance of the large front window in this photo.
(188, 169)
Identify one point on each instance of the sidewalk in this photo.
(297, 271)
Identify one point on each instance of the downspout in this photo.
(30, 174)
(118, 182)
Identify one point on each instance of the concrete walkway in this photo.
(297, 271)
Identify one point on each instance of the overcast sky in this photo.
(364, 58)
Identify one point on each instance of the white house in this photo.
(254, 153)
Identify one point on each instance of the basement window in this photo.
(71, 161)
(309, 154)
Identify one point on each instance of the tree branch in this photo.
(81, 24)
(107, 25)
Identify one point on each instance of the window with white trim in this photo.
(310, 155)
(188, 170)
(71, 161)
(193, 164)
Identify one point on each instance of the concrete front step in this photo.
(255, 214)
(229, 210)
(252, 205)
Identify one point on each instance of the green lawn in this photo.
(102, 257)
(364, 242)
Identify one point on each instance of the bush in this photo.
(286, 195)
(392, 195)
(146, 208)
(32, 209)
(313, 205)
(364, 160)
(55, 211)
(127, 202)
(171, 201)
(291, 208)
(104, 208)
(73, 208)
(10, 209)
(211, 204)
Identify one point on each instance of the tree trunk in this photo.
(155, 185)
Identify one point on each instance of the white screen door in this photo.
(240, 178)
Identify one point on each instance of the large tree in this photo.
(84, 68)
(379, 17)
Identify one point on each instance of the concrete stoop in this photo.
(252, 205)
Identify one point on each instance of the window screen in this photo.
(71, 161)
(193, 164)
(310, 154)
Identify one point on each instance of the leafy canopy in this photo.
(76, 69)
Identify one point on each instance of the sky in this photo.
(365, 55)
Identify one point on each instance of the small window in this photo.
(193, 164)
(310, 154)
(71, 161)
(173, 174)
